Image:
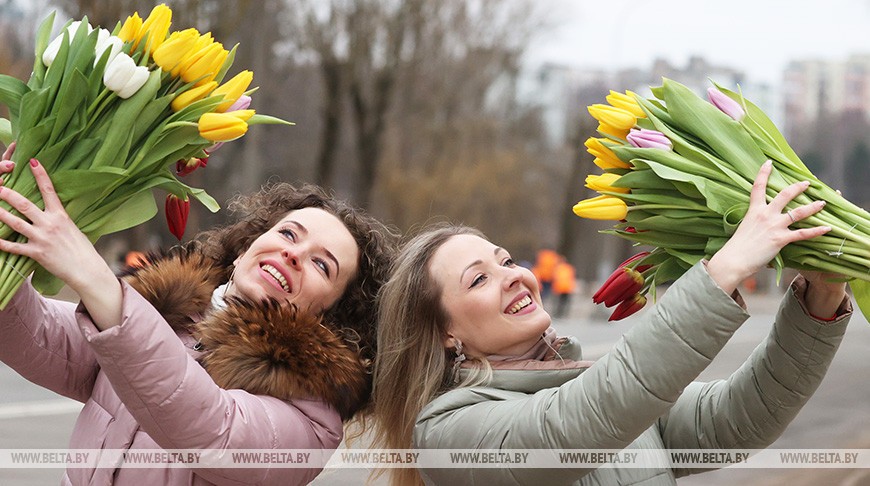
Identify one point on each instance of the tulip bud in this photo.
(725, 104)
(130, 30)
(74, 27)
(602, 208)
(626, 102)
(105, 40)
(649, 139)
(233, 89)
(50, 52)
(205, 64)
(604, 157)
(184, 167)
(175, 49)
(177, 210)
(196, 93)
(156, 26)
(628, 307)
(604, 183)
(223, 127)
(613, 117)
(124, 77)
(622, 284)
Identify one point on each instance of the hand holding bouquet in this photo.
(678, 172)
(112, 116)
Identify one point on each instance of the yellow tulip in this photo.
(205, 64)
(615, 117)
(612, 131)
(233, 89)
(604, 183)
(222, 127)
(156, 26)
(602, 208)
(604, 157)
(194, 94)
(176, 48)
(627, 102)
(130, 30)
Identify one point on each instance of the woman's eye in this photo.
(323, 266)
(288, 233)
(509, 262)
(478, 280)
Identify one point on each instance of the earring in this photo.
(230, 281)
(457, 361)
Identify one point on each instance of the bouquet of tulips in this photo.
(677, 173)
(112, 116)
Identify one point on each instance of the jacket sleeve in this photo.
(177, 403)
(610, 404)
(39, 339)
(752, 408)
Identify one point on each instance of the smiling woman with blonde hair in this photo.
(467, 359)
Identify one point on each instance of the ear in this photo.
(236, 261)
(450, 341)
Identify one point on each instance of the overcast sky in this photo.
(757, 36)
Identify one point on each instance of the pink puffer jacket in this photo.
(144, 389)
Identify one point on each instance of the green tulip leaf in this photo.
(861, 293)
(5, 132)
(267, 120)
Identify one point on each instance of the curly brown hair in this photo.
(354, 314)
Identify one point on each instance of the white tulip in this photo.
(74, 27)
(124, 77)
(51, 51)
(105, 40)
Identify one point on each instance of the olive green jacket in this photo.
(641, 395)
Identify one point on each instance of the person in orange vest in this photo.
(564, 283)
(544, 265)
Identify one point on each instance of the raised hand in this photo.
(763, 232)
(56, 243)
(6, 164)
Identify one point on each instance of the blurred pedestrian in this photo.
(545, 263)
(564, 285)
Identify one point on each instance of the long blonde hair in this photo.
(413, 366)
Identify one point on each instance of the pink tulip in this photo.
(725, 104)
(649, 139)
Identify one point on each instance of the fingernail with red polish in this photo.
(34, 162)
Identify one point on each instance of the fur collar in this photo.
(262, 348)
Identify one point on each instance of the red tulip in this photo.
(177, 210)
(622, 284)
(628, 307)
(186, 166)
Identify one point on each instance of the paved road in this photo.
(836, 417)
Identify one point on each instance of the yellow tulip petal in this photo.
(233, 89)
(602, 208)
(612, 131)
(626, 102)
(194, 94)
(604, 157)
(615, 117)
(130, 30)
(604, 183)
(156, 26)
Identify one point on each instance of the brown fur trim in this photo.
(278, 351)
(179, 285)
(262, 348)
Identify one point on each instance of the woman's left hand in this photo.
(825, 293)
(53, 240)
